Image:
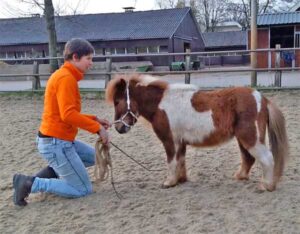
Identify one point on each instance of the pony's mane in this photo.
(143, 80)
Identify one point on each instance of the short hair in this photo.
(78, 46)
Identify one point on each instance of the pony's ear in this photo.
(121, 85)
(118, 84)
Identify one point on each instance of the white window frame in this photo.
(297, 39)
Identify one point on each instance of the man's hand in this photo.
(105, 123)
(103, 135)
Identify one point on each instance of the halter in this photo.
(129, 112)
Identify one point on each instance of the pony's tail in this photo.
(278, 139)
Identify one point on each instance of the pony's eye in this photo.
(116, 103)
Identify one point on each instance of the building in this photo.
(156, 31)
(226, 41)
(278, 29)
(228, 26)
(296, 7)
(220, 41)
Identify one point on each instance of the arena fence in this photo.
(189, 68)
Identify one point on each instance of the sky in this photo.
(14, 8)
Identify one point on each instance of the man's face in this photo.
(84, 63)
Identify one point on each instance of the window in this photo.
(60, 49)
(99, 51)
(297, 39)
(153, 49)
(2, 55)
(163, 49)
(142, 50)
(283, 36)
(131, 50)
(20, 54)
(10, 55)
(120, 50)
(108, 51)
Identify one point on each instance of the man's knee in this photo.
(85, 190)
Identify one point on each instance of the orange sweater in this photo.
(62, 105)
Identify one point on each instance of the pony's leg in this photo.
(171, 179)
(181, 174)
(175, 150)
(176, 166)
(265, 158)
(251, 136)
(246, 164)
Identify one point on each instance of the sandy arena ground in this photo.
(211, 202)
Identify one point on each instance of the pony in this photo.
(183, 115)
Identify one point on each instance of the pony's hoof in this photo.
(163, 186)
(182, 180)
(241, 176)
(261, 187)
(270, 187)
(266, 187)
(167, 185)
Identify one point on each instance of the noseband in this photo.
(129, 112)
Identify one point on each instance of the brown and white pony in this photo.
(182, 115)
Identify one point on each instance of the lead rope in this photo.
(103, 162)
(102, 165)
(128, 156)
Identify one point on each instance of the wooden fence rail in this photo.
(36, 83)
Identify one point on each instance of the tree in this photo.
(207, 12)
(240, 10)
(52, 44)
(27, 8)
(48, 9)
(46, 6)
(163, 4)
(211, 12)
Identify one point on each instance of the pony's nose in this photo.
(122, 128)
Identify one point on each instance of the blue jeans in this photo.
(68, 159)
